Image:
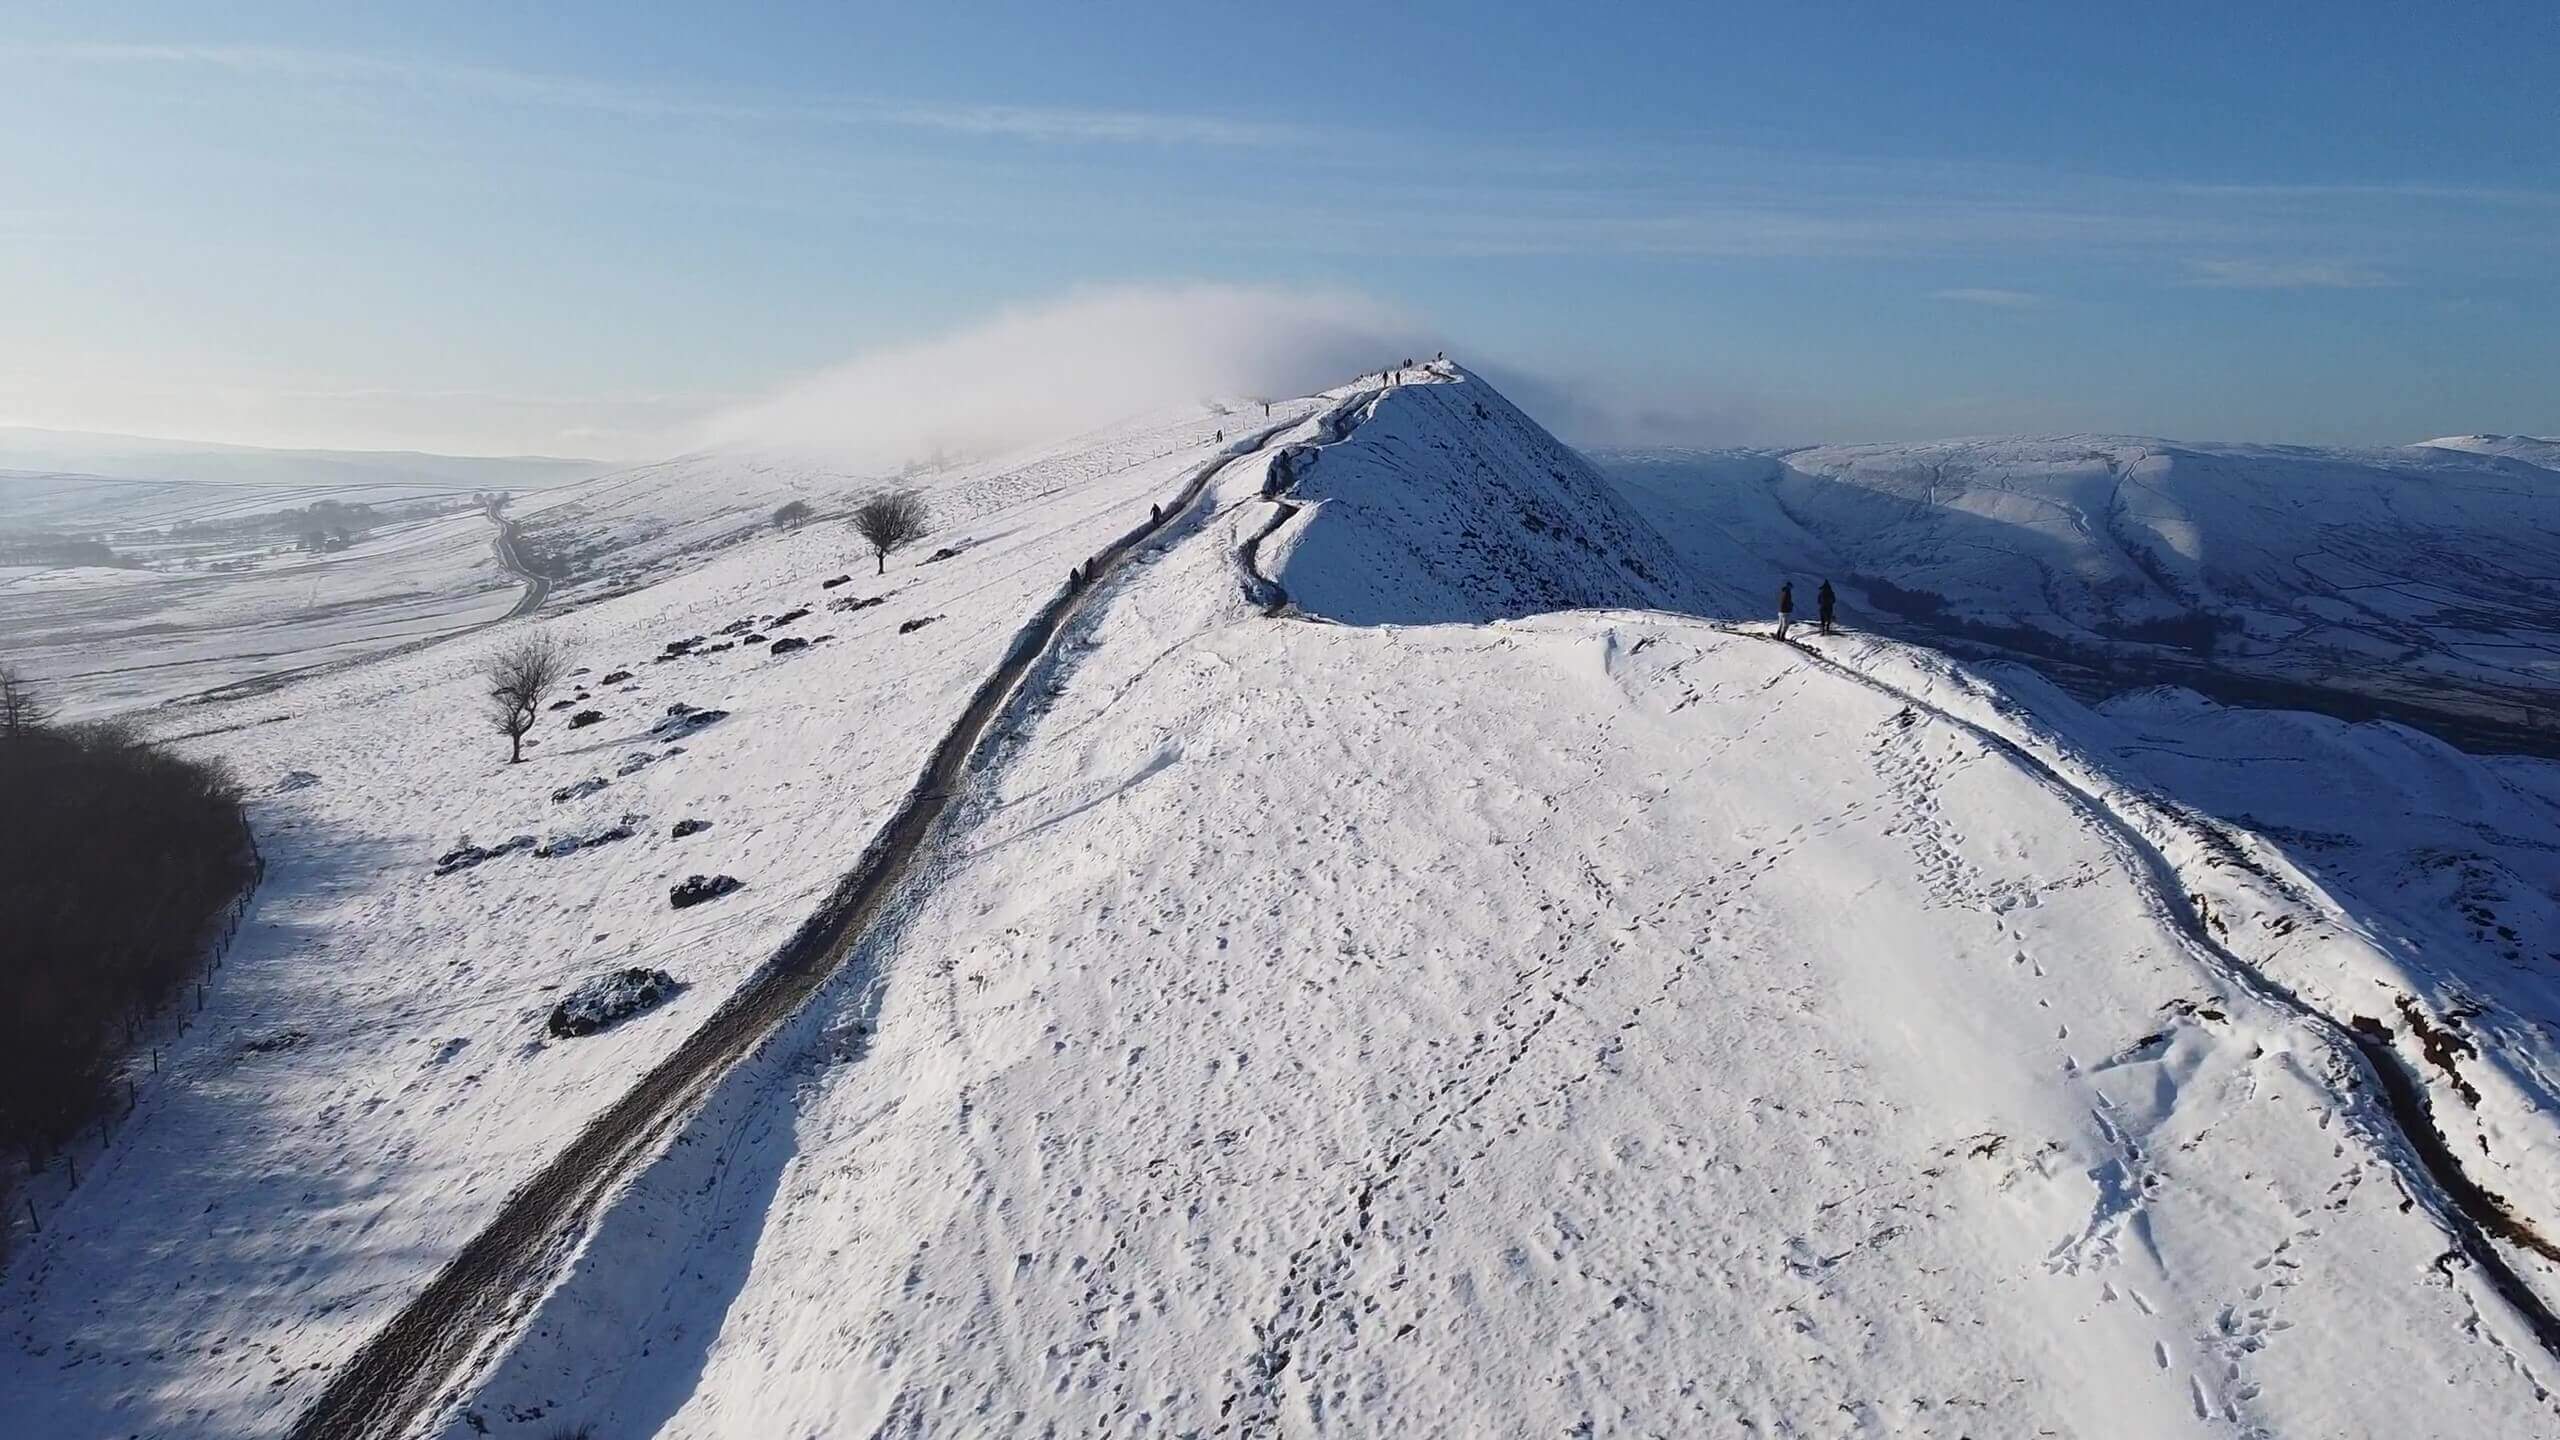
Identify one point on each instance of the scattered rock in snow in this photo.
(585, 718)
(737, 627)
(698, 888)
(562, 704)
(789, 643)
(947, 552)
(856, 602)
(678, 647)
(579, 791)
(466, 855)
(637, 761)
(750, 639)
(273, 1041)
(559, 845)
(605, 999)
(683, 719)
(714, 649)
(616, 678)
(297, 780)
(912, 626)
(836, 581)
(787, 617)
(689, 826)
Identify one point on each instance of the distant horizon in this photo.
(1591, 447)
(608, 232)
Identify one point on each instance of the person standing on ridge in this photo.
(1822, 603)
(1786, 606)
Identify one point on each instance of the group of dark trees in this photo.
(117, 859)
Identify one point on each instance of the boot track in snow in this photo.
(452, 1328)
(2470, 1214)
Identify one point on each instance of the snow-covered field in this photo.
(1436, 975)
(2421, 577)
(205, 597)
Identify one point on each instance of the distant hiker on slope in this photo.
(1786, 606)
(1822, 603)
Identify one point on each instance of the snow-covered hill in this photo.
(2532, 449)
(2421, 582)
(1356, 989)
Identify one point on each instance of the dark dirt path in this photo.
(409, 1366)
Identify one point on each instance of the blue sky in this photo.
(587, 229)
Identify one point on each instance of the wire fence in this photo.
(40, 1187)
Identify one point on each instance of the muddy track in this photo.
(2470, 1213)
(409, 1367)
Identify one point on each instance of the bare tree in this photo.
(792, 512)
(521, 676)
(888, 520)
(21, 709)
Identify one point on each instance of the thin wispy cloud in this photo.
(1996, 299)
(1043, 124)
(2284, 275)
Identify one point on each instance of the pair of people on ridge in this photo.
(1823, 601)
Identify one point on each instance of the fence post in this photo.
(71, 1162)
(155, 1059)
(31, 1215)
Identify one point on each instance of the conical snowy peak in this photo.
(1434, 499)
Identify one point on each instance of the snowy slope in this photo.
(2532, 449)
(1460, 507)
(371, 1075)
(2420, 578)
(640, 524)
(1592, 1023)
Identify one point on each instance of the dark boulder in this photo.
(689, 826)
(579, 791)
(789, 643)
(585, 718)
(559, 845)
(698, 888)
(467, 854)
(683, 719)
(912, 626)
(605, 999)
(833, 583)
(616, 678)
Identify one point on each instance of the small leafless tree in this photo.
(21, 709)
(522, 674)
(889, 520)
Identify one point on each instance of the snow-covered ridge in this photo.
(1441, 501)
